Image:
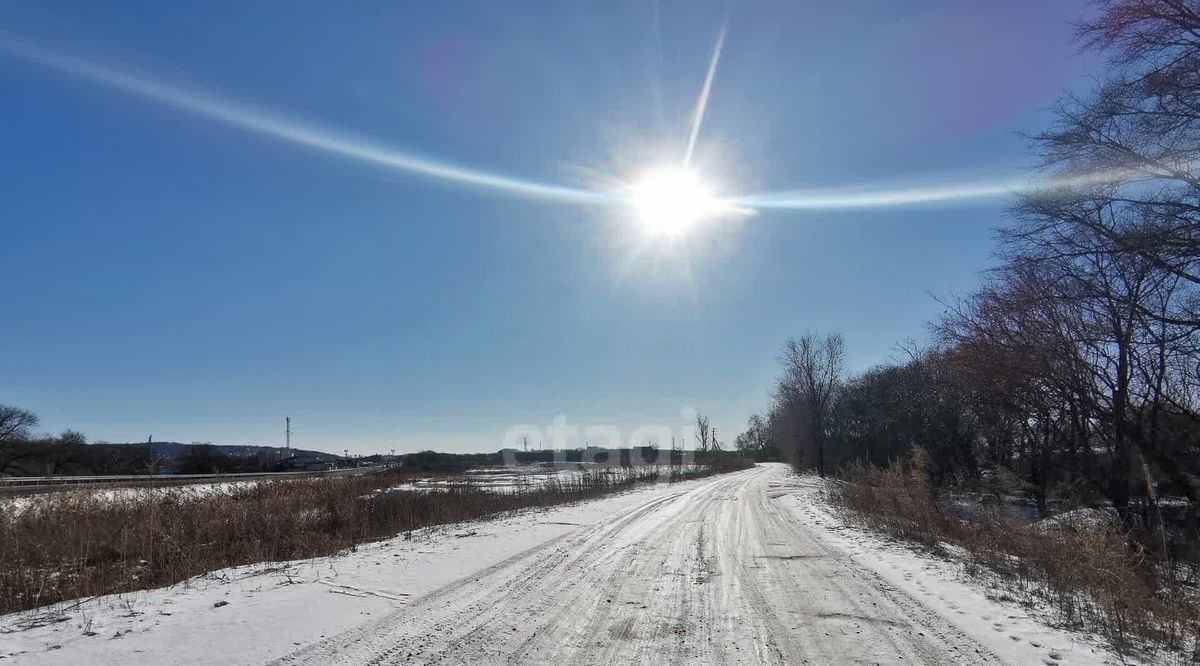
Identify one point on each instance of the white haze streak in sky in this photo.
(290, 131)
(702, 101)
(867, 197)
(363, 150)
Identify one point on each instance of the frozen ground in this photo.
(738, 568)
(123, 494)
(512, 478)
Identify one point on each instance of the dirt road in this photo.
(718, 574)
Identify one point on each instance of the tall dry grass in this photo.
(1089, 576)
(70, 545)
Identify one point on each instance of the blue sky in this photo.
(170, 274)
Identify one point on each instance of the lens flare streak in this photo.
(294, 132)
(702, 101)
(866, 197)
(371, 152)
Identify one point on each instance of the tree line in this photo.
(1074, 369)
(23, 453)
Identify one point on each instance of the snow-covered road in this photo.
(717, 572)
(751, 567)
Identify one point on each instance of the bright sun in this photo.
(669, 202)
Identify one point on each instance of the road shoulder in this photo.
(1011, 632)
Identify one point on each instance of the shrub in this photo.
(1089, 576)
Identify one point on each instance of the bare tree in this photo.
(72, 438)
(1097, 308)
(16, 423)
(703, 434)
(1140, 133)
(812, 368)
(754, 442)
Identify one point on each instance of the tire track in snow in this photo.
(716, 574)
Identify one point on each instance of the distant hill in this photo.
(50, 457)
(177, 449)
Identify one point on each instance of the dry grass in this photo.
(1088, 577)
(71, 545)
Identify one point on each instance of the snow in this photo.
(655, 553)
(1005, 628)
(272, 609)
(514, 478)
(121, 494)
(1087, 518)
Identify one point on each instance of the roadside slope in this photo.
(252, 614)
(739, 568)
(718, 573)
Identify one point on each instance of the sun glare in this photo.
(669, 202)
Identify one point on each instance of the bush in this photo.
(1089, 576)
